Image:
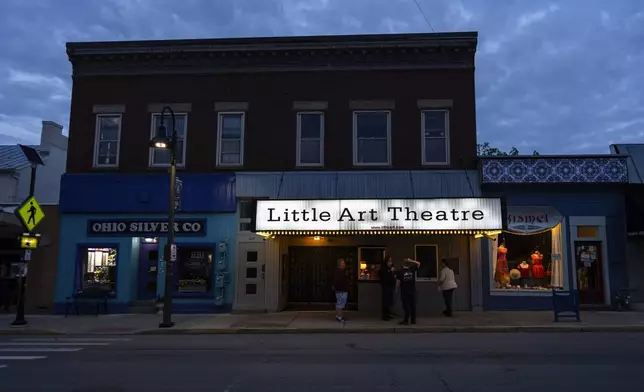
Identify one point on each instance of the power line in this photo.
(424, 16)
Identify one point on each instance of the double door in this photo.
(311, 269)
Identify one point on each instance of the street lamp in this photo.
(162, 141)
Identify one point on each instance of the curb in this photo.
(399, 330)
(27, 331)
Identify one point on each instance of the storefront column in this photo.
(476, 274)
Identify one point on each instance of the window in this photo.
(246, 215)
(427, 256)
(528, 262)
(310, 139)
(371, 259)
(108, 134)
(194, 270)
(161, 157)
(230, 145)
(99, 268)
(435, 137)
(372, 135)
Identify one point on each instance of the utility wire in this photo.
(424, 16)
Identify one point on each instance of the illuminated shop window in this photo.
(371, 259)
(528, 261)
(99, 268)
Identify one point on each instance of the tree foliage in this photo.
(486, 150)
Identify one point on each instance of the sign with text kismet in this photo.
(532, 219)
(381, 214)
(144, 227)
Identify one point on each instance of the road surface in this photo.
(341, 362)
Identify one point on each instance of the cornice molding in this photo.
(382, 52)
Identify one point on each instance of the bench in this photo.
(565, 304)
(92, 295)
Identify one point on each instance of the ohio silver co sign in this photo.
(529, 219)
(147, 227)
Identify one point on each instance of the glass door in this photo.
(590, 276)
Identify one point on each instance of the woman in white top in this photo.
(447, 285)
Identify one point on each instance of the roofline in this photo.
(468, 39)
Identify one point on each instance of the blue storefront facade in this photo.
(113, 232)
(565, 228)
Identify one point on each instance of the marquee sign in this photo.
(383, 214)
(526, 219)
(142, 228)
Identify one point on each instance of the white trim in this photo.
(356, 113)
(299, 140)
(446, 112)
(437, 261)
(153, 133)
(241, 138)
(97, 139)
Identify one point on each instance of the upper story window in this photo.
(107, 140)
(435, 137)
(310, 139)
(230, 140)
(372, 138)
(160, 157)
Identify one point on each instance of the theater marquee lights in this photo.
(384, 216)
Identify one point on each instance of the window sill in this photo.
(521, 293)
(165, 167)
(310, 165)
(436, 163)
(226, 166)
(105, 167)
(206, 294)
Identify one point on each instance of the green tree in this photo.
(486, 150)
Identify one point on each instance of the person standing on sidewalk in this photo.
(447, 285)
(341, 288)
(388, 286)
(407, 287)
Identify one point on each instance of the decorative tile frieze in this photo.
(536, 170)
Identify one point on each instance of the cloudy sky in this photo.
(556, 76)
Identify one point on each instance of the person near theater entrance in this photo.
(388, 286)
(447, 285)
(341, 288)
(407, 286)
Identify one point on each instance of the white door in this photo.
(251, 272)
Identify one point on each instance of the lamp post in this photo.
(162, 141)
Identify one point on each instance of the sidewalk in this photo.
(322, 322)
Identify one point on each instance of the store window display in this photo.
(528, 261)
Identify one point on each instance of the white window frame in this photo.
(437, 263)
(423, 139)
(97, 140)
(241, 141)
(153, 134)
(356, 113)
(299, 139)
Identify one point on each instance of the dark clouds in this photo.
(556, 76)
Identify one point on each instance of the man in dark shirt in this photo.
(407, 287)
(341, 288)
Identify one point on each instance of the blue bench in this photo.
(565, 304)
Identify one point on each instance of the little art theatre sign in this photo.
(142, 228)
(382, 214)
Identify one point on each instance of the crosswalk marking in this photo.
(20, 358)
(26, 346)
(39, 350)
(55, 344)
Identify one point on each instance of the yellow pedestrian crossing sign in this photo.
(30, 213)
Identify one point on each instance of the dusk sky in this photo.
(559, 77)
